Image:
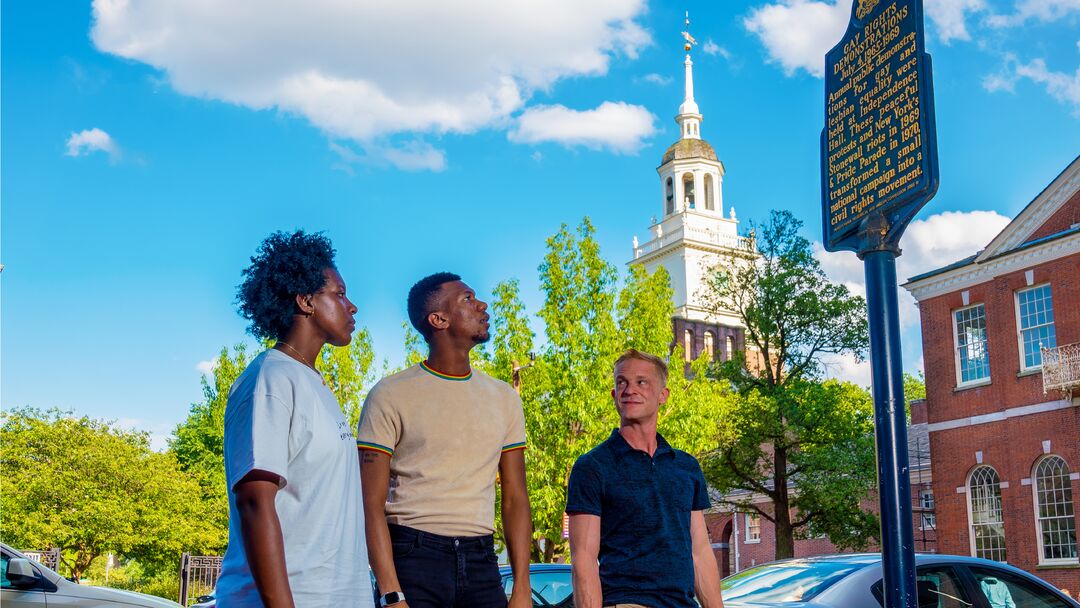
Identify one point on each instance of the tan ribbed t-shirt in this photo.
(445, 436)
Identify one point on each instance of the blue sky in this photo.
(149, 147)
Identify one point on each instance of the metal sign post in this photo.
(878, 168)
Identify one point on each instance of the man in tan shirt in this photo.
(431, 440)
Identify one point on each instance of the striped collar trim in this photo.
(424, 366)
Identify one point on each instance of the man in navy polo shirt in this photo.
(636, 505)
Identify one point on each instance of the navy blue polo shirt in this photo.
(644, 505)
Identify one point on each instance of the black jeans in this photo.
(446, 572)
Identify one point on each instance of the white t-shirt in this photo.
(280, 418)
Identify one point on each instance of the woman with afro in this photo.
(296, 525)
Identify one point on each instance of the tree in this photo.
(565, 384)
(773, 437)
(347, 371)
(914, 387)
(90, 487)
(199, 442)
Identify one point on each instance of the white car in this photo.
(24, 583)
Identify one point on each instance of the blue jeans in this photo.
(446, 572)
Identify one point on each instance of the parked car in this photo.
(551, 585)
(24, 583)
(854, 581)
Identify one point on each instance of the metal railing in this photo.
(50, 558)
(712, 237)
(1061, 368)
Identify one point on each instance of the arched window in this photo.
(1054, 511)
(709, 206)
(688, 345)
(670, 208)
(688, 189)
(984, 503)
(710, 348)
(729, 348)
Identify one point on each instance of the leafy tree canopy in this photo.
(797, 450)
(91, 487)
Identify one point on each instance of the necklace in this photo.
(321, 377)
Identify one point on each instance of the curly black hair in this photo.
(419, 303)
(284, 266)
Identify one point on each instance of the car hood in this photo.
(728, 604)
(116, 596)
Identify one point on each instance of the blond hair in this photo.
(633, 353)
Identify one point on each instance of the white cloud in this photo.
(618, 126)
(927, 244)
(88, 141)
(657, 79)
(798, 33)
(359, 71)
(1062, 86)
(846, 367)
(950, 17)
(1043, 10)
(413, 155)
(206, 368)
(711, 48)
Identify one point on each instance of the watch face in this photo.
(392, 598)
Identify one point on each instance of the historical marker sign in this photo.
(878, 147)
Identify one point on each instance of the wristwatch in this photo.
(391, 598)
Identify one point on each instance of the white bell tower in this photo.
(693, 234)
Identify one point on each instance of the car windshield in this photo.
(789, 581)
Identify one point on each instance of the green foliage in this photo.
(198, 442)
(348, 373)
(132, 576)
(415, 347)
(792, 312)
(805, 445)
(825, 430)
(914, 387)
(566, 385)
(90, 487)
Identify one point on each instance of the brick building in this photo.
(743, 540)
(1000, 330)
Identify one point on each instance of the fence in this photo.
(50, 558)
(198, 576)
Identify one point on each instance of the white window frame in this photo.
(746, 520)
(925, 516)
(970, 509)
(960, 383)
(1043, 560)
(1020, 331)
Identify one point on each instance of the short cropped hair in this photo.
(633, 353)
(284, 266)
(420, 298)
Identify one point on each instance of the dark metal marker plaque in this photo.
(878, 147)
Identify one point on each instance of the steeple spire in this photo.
(689, 118)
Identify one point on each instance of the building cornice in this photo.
(977, 272)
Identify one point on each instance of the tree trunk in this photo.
(549, 552)
(785, 535)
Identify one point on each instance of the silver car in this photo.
(854, 581)
(24, 583)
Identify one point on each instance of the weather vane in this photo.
(686, 34)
